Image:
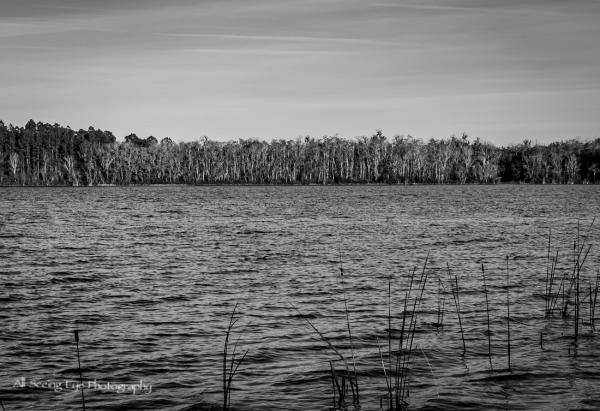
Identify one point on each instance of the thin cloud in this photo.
(280, 38)
(251, 51)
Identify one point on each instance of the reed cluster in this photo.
(398, 392)
(568, 298)
(564, 294)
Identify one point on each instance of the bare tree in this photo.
(13, 160)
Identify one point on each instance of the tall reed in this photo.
(230, 362)
(385, 374)
(341, 387)
(547, 289)
(390, 321)
(79, 368)
(579, 262)
(578, 271)
(356, 398)
(456, 297)
(593, 299)
(441, 302)
(487, 310)
(508, 312)
(396, 402)
(552, 297)
(411, 334)
(550, 274)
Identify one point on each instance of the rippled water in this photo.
(150, 275)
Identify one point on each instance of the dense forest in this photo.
(50, 154)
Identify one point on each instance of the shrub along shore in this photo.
(41, 154)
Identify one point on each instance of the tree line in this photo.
(41, 154)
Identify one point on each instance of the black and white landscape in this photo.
(300, 205)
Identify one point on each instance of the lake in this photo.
(150, 275)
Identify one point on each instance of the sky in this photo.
(501, 70)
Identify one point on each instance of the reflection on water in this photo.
(150, 275)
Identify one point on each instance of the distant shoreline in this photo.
(295, 185)
(52, 155)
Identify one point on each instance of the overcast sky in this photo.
(501, 70)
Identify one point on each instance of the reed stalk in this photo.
(387, 380)
(565, 299)
(559, 293)
(441, 302)
(412, 330)
(593, 305)
(487, 310)
(231, 364)
(390, 322)
(590, 302)
(431, 371)
(333, 383)
(578, 270)
(76, 332)
(578, 262)
(551, 263)
(548, 282)
(550, 299)
(340, 387)
(356, 399)
(401, 339)
(508, 312)
(455, 295)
